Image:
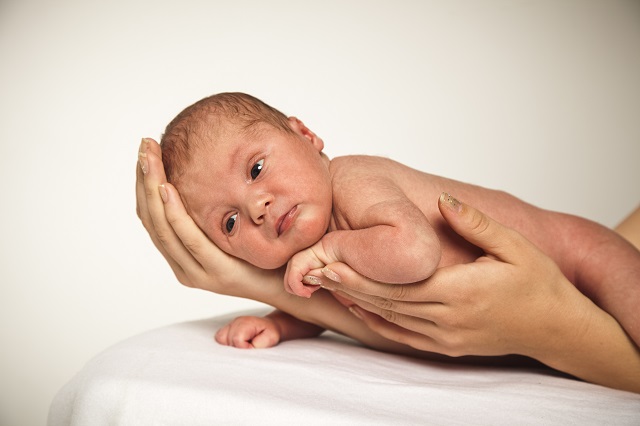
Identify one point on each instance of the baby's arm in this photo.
(389, 237)
(264, 332)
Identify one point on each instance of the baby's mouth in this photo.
(285, 221)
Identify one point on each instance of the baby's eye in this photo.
(231, 223)
(256, 169)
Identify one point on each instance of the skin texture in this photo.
(629, 228)
(562, 328)
(198, 263)
(284, 194)
(255, 180)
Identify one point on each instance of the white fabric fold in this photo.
(178, 375)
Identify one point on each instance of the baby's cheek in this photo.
(310, 230)
(266, 259)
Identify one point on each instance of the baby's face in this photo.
(263, 197)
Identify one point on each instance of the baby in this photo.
(258, 184)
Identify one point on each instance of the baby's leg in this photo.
(630, 228)
(609, 274)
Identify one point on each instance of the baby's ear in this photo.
(298, 126)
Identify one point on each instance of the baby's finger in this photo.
(293, 282)
(241, 338)
(222, 335)
(265, 339)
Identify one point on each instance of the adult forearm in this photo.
(591, 345)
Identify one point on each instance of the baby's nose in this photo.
(259, 207)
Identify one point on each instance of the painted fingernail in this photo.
(355, 312)
(311, 280)
(142, 159)
(163, 193)
(449, 201)
(331, 275)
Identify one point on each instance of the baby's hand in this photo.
(249, 332)
(299, 266)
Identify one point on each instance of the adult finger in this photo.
(416, 316)
(391, 309)
(142, 210)
(201, 248)
(481, 230)
(205, 264)
(340, 276)
(389, 330)
(165, 233)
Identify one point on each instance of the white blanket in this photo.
(178, 375)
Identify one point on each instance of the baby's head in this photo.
(255, 181)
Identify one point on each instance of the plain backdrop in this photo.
(539, 98)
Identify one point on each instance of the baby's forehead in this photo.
(200, 185)
(218, 141)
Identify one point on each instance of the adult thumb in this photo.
(479, 229)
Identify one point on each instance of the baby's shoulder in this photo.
(357, 166)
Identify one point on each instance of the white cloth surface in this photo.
(178, 375)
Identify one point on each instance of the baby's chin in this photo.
(271, 262)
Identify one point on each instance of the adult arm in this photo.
(514, 300)
(198, 263)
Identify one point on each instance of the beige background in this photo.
(540, 98)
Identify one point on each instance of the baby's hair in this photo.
(194, 126)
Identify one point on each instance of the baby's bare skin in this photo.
(265, 192)
(356, 178)
(595, 259)
(542, 323)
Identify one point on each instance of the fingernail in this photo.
(163, 193)
(311, 280)
(331, 275)
(353, 310)
(327, 287)
(142, 159)
(450, 202)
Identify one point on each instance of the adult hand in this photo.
(513, 300)
(194, 259)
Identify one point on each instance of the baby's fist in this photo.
(298, 267)
(249, 332)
